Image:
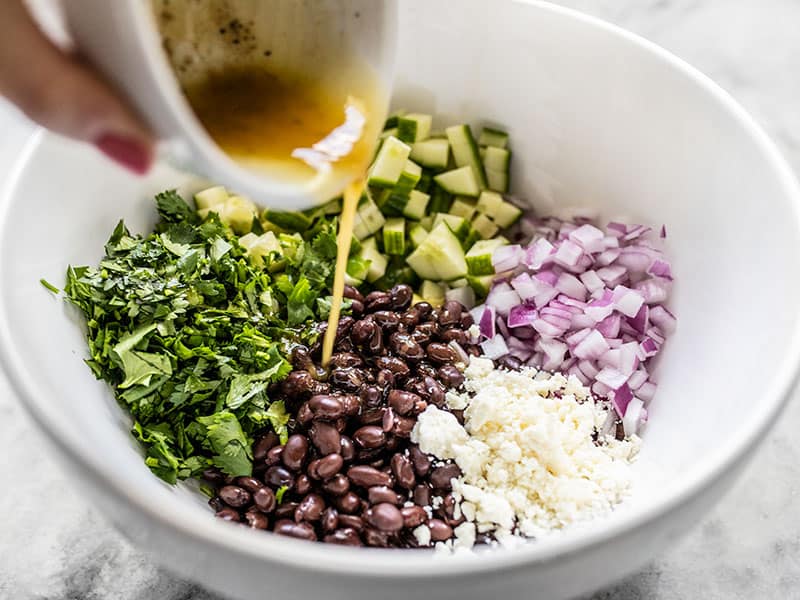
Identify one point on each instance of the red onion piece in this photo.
(663, 319)
(494, 348)
(507, 258)
(487, 322)
(522, 315)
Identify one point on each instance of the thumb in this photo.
(61, 93)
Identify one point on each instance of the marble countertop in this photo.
(54, 545)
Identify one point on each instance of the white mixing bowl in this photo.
(599, 118)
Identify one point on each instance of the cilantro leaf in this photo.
(174, 209)
(231, 447)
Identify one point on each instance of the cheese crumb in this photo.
(423, 535)
(528, 458)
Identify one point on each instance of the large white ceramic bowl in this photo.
(598, 118)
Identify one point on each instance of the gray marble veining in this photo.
(54, 546)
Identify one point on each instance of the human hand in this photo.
(60, 92)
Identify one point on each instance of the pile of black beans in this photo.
(349, 470)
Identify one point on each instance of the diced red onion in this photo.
(487, 323)
(633, 416)
(612, 378)
(646, 391)
(663, 319)
(601, 389)
(548, 329)
(477, 312)
(554, 352)
(547, 277)
(538, 253)
(571, 286)
(635, 232)
(502, 327)
(633, 260)
(525, 333)
(654, 290)
(544, 297)
(588, 368)
(636, 379)
(463, 357)
(609, 327)
(503, 300)
(591, 280)
(588, 237)
(522, 315)
(550, 309)
(649, 347)
(568, 253)
(525, 286)
(574, 370)
(593, 345)
(641, 320)
(582, 321)
(465, 295)
(663, 232)
(627, 301)
(660, 268)
(617, 229)
(613, 275)
(602, 307)
(506, 258)
(606, 257)
(494, 348)
(576, 338)
(655, 333)
(620, 399)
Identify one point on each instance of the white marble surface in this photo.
(54, 545)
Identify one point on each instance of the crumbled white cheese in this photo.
(423, 535)
(526, 451)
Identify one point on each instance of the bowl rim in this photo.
(374, 563)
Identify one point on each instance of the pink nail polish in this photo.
(126, 151)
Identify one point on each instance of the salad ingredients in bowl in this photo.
(490, 372)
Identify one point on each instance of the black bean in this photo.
(440, 353)
(426, 369)
(398, 367)
(274, 456)
(410, 318)
(348, 503)
(425, 309)
(401, 296)
(436, 392)
(251, 484)
(420, 461)
(459, 415)
(406, 347)
(264, 444)
(285, 510)
(300, 357)
(454, 335)
(344, 326)
(356, 308)
(413, 516)
(295, 451)
(368, 477)
(302, 484)
(343, 360)
(228, 514)
(422, 495)
(216, 503)
(256, 519)
(310, 508)
(347, 449)
(235, 496)
(451, 376)
(302, 531)
(386, 320)
(337, 485)
(375, 344)
(351, 521)
(369, 436)
(214, 475)
(387, 422)
(344, 537)
(278, 476)
(325, 438)
(362, 330)
(353, 293)
(349, 379)
(377, 301)
(450, 313)
(511, 363)
(329, 520)
(264, 500)
(466, 320)
(371, 416)
(329, 465)
(403, 471)
(371, 395)
(298, 384)
(376, 538)
(304, 414)
(403, 426)
(425, 332)
(385, 517)
(325, 406)
(440, 476)
(385, 379)
(382, 493)
(440, 531)
(402, 402)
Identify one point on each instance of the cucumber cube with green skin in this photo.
(378, 262)
(369, 215)
(397, 272)
(210, 197)
(334, 207)
(506, 215)
(457, 283)
(479, 257)
(416, 205)
(485, 227)
(441, 200)
(497, 159)
(461, 182)
(439, 256)
(432, 153)
(425, 182)
(360, 230)
(493, 137)
(481, 284)
(398, 198)
(394, 236)
(472, 237)
(414, 127)
(458, 225)
(489, 202)
(462, 207)
(465, 152)
(358, 268)
(426, 222)
(432, 292)
(389, 163)
(498, 180)
(391, 120)
(288, 220)
(417, 235)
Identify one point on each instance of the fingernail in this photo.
(128, 152)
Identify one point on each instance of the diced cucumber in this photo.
(358, 267)
(472, 237)
(479, 257)
(416, 299)
(439, 256)
(461, 182)
(482, 153)
(431, 153)
(389, 163)
(360, 230)
(489, 202)
(485, 227)
(350, 280)
(425, 182)
(497, 180)
(210, 197)
(458, 225)
(497, 159)
(289, 220)
(238, 213)
(396, 201)
(397, 272)
(463, 207)
(493, 137)
(441, 200)
(334, 207)
(259, 247)
(416, 205)
(457, 283)
(465, 152)
(391, 120)
(355, 245)
(414, 127)
(432, 292)
(388, 133)
(426, 222)
(409, 177)
(481, 284)
(507, 214)
(417, 235)
(378, 262)
(370, 215)
(394, 236)
(464, 295)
